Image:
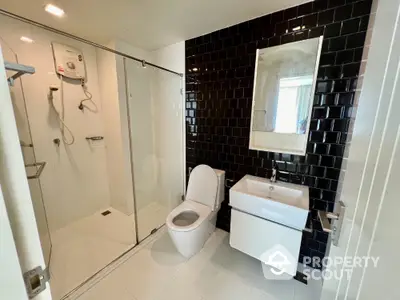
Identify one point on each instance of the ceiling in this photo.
(149, 24)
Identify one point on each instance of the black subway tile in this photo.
(350, 26)
(344, 57)
(326, 17)
(334, 185)
(316, 136)
(356, 40)
(290, 13)
(327, 161)
(319, 112)
(335, 112)
(310, 20)
(338, 163)
(332, 173)
(327, 59)
(317, 171)
(305, 9)
(315, 193)
(316, 32)
(337, 44)
(324, 87)
(331, 137)
(320, 5)
(277, 17)
(362, 8)
(332, 30)
(346, 99)
(351, 70)
(336, 150)
(312, 159)
(334, 3)
(328, 99)
(343, 12)
(287, 38)
(281, 28)
(328, 196)
(333, 72)
(358, 53)
(323, 183)
(302, 168)
(326, 124)
(364, 23)
(294, 24)
(321, 148)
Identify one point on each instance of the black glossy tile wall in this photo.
(219, 84)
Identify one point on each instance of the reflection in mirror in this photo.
(283, 93)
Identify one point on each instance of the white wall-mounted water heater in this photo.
(69, 62)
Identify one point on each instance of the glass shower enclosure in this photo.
(96, 198)
(155, 113)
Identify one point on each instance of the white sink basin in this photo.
(280, 202)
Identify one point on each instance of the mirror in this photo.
(283, 95)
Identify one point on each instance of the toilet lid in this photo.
(203, 186)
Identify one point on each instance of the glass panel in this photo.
(156, 128)
(28, 152)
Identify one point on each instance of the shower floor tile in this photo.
(86, 246)
(155, 271)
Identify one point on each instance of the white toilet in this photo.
(192, 222)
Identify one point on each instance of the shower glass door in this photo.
(156, 131)
(33, 167)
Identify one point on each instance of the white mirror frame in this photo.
(289, 143)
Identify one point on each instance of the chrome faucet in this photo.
(274, 172)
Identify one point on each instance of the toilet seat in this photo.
(188, 205)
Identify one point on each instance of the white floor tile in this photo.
(108, 289)
(149, 217)
(158, 272)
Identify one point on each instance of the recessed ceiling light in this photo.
(26, 39)
(54, 10)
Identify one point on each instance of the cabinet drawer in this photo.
(254, 236)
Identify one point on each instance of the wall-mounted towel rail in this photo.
(39, 170)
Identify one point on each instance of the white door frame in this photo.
(15, 187)
(11, 280)
(370, 152)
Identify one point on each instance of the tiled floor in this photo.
(149, 217)
(86, 246)
(154, 271)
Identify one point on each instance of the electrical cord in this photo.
(61, 117)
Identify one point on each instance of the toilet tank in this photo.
(221, 188)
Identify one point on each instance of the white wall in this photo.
(74, 182)
(117, 151)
